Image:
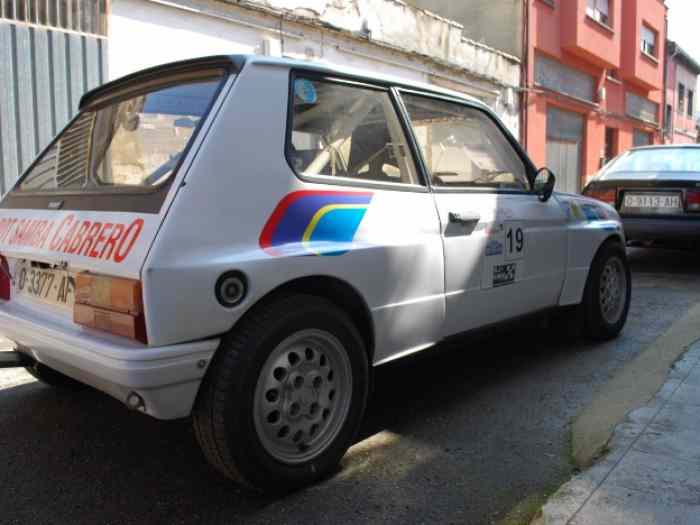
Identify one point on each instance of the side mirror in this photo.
(544, 184)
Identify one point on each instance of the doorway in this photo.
(611, 149)
(564, 148)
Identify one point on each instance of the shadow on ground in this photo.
(461, 435)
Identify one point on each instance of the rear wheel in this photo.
(51, 377)
(285, 395)
(608, 291)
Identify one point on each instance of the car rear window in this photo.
(655, 160)
(132, 143)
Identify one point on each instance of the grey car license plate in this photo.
(653, 202)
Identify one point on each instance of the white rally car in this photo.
(240, 239)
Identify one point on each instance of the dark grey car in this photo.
(656, 190)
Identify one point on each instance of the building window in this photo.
(642, 138)
(669, 117)
(599, 10)
(642, 108)
(681, 98)
(557, 77)
(690, 103)
(84, 16)
(648, 41)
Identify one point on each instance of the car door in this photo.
(363, 210)
(504, 250)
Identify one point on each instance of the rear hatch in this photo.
(92, 202)
(652, 182)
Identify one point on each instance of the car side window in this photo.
(463, 147)
(342, 130)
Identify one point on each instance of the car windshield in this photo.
(132, 143)
(675, 160)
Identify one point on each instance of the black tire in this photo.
(223, 415)
(53, 378)
(595, 325)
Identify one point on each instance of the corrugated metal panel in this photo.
(8, 108)
(59, 69)
(43, 73)
(25, 96)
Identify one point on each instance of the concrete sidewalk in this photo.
(651, 474)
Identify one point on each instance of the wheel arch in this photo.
(575, 282)
(340, 292)
(612, 238)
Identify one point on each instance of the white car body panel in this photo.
(587, 232)
(473, 298)
(421, 277)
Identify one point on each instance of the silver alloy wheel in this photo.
(613, 290)
(302, 396)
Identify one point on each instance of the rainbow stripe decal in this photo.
(316, 220)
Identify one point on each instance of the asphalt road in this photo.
(463, 435)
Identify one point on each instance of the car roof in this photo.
(237, 62)
(666, 146)
(359, 73)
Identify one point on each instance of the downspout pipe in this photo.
(525, 72)
(667, 128)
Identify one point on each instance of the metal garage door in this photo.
(51, 52)
(564, 147)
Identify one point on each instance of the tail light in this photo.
(692, 201)
(608, 195)
(111, 304)
(5, 279)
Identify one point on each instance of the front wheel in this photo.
(608, 291)
(285, 395)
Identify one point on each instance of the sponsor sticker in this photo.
(504, 274)
(577, 211)
(590, 212)
(305, 90)
(109, 241)
(494, 247)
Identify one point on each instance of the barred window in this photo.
(83, 16)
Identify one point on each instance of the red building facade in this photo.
(594, 82)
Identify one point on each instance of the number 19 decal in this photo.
(515, 241)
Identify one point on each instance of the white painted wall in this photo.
(143, 33)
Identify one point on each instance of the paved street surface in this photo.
(464, 435)
(651, 476)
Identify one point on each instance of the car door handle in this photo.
(463, 218)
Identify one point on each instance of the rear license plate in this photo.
(52, 286)
(653, 202)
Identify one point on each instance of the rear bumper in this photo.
(167, 378)
(656, 228)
